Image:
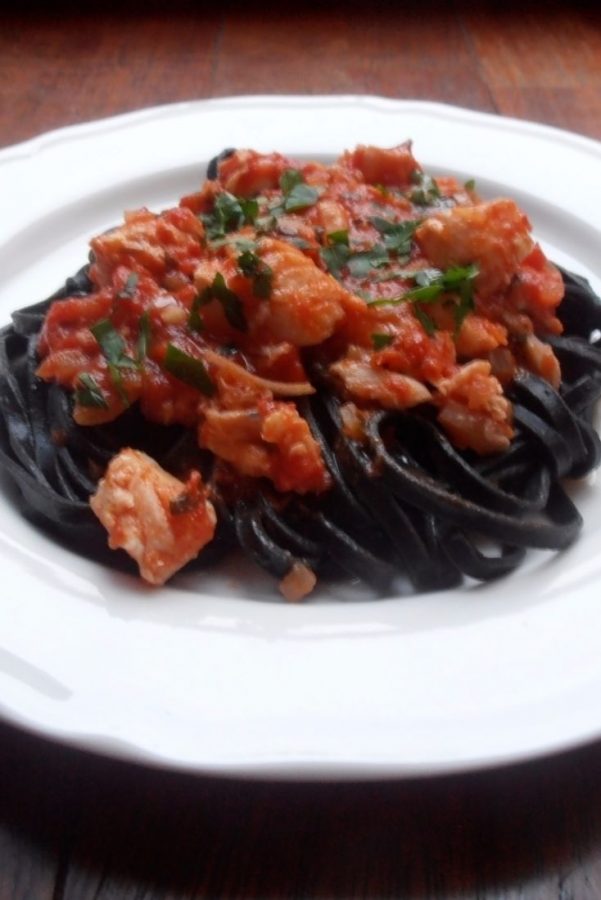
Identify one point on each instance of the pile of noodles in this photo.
(406, 502)
(403, 503)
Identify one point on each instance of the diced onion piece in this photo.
(277, 388)
(298, 582)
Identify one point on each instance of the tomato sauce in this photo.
(402, 288)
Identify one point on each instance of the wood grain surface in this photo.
(74, 826)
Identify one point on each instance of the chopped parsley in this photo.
(290, 179)
(431, 283)
(252, 266)
(424, 319)
(250, 209)
(195, 322)
(338, 237)
(189, 369)
(335, 258)
(89, 393)
(231, 303)
(297, 194)
(112, 345)
(360, 263)
(426, 192)
(338, 255)
(113, 349)
(300, 197)
(229, 214)
(381, 340)
(397, 236)
(470, 184)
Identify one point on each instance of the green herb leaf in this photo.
(397, 235)
(338, 237)
(89, 393)
(250, 210)
(297, 194)
(111, 342)
(458, 280)
(129, 288)
(380, 340)
(189, 369)
(425, 320)
(253, 267)
(117, 379)
(112, 345)
(248, 263)
(426, 192)
(465, 288)
(289, 180)
(231, 303)
(457, 277)
(470, 184)
(113, 349)
(335, 258)
(262, 283)
(195, 322)
(465, 306)
(426, 294)
(360, 264)
(229, 214)
(432, 283)
(300, 197)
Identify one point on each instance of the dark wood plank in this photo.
(364, 50)
(61, 69)
(58, 70)
(31, 840)
(27, 868)
(114, 831)
(543, 65)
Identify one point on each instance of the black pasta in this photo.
(404, 503)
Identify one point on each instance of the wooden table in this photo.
(73, 826)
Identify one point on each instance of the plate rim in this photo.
(287, 769)
(75, 130)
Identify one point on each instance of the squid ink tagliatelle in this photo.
(351, 370)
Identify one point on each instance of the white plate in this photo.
(214, 674)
